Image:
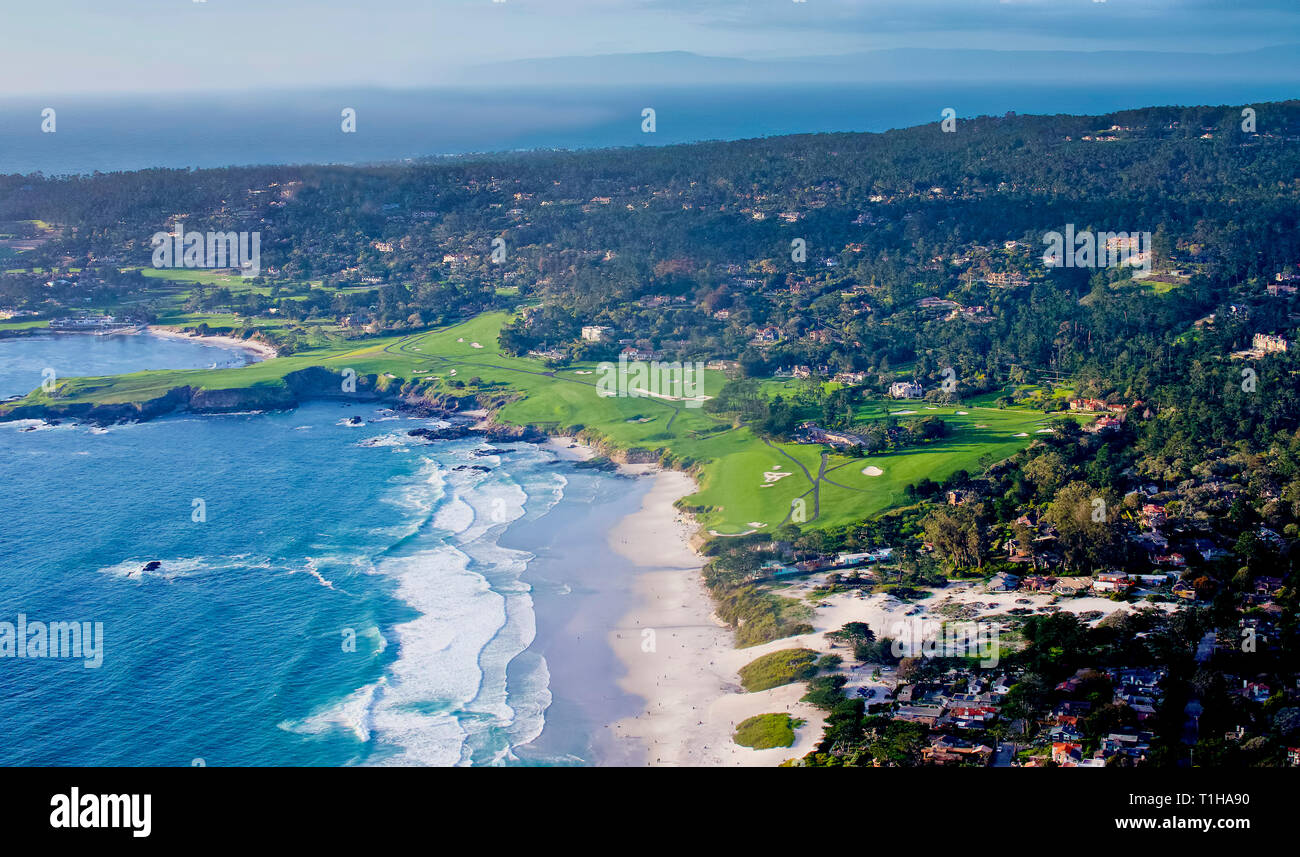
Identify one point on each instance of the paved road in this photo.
(1005, 753)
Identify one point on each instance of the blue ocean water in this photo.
(24, 361)
(343, 599)
(214, 130)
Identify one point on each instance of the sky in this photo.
(142, 46)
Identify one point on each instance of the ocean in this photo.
(215, 130)
(329, 590)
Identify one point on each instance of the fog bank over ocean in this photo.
(96, 133)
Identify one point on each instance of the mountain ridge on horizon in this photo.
(889, 65)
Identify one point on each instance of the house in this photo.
(1003, 582)
(1087, 405)
(1152, 515)
(1104, 424)
(1067, 753)
(969, 716)
(639, 354)
(1112, 582)
(1208, 550)
(1184, 590)
(927, 714)
(1151, 579)
(850, 560)
(1268, 587)
(1070, 711)
(1072, 585)
(938, 304)
(766, 335)
(950, 750)
(1255, 692)
(596, 333)
(1269, 343)
(1135, 746)
(905, 390)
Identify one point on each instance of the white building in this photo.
(596, 333)
(905, 390)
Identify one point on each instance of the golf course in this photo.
(747, 483)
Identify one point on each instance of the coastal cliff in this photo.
(303, 385)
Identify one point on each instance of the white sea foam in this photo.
(445, 699)
(351, 715)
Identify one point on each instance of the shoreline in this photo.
(679, 656)
(249, 346)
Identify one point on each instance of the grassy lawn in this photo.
(765, 731)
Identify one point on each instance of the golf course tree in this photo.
(1086, 525)
(959, 534)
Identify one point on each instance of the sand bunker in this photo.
(1022, 434)
(872, 471)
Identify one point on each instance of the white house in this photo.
(905, 390)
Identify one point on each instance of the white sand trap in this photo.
(475, 345)
(772, 476)
(962, 413)
(1045, 431)
(665, 396)
(581, 371)
(758, 524)
(452, 372)
(903, 413)
(462, 339)
(872, 471)
(1022, 434)
(928, 408)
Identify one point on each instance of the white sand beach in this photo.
(260, 349)
(679, 656)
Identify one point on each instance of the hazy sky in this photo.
(53, 46)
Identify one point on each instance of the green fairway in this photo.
(24, 324)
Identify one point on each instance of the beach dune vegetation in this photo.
(778, 668)
(765, 731)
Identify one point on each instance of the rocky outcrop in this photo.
(491, 433)
(104, 414)
(513, 434)
(270, 398)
